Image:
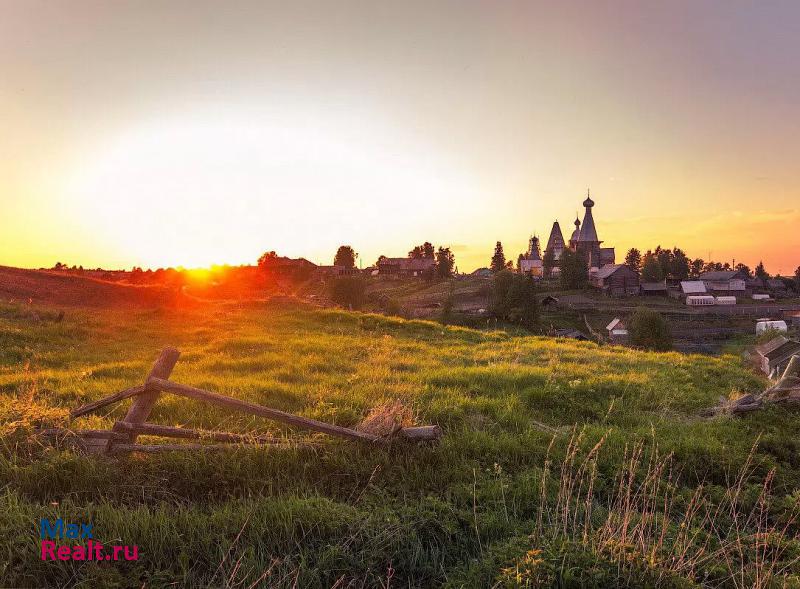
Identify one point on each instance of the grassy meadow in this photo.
(562, 463)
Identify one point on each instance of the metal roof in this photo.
(693, 287)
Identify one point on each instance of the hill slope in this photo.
(52, 288)
(484, 506)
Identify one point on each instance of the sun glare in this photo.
(207, 188)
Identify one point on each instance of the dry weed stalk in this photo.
(639, 524)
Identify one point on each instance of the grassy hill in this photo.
(502, 500)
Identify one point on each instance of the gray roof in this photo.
(693, 287)
(608, 270)
(588, 231)
(777, 346)
(556, 239)
(721, 275)
(776, 283)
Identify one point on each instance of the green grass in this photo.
(455, 514)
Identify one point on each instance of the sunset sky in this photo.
(189, 133)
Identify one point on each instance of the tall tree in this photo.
(574, 270)
(422, 251)
(267, 260)
(445, 260)
(345, 256)
(696, 267)
(761, 272)
(744, 268)
(679, 265)
(651, 270)
(633, 259)
(498, 259)
(797, 279)
(548, 263)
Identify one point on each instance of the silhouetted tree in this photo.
(548, 263)
(761, 272)
(498, 259)
(744, 268)
(633, 259)
(345, 256)
(679, 265)
(574, 270)
(422, 251)
(445, 260)
(696, 267)
(797, 279)
(651, 269)
(267, 260)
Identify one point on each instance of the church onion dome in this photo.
(577, 232)
(588, 203)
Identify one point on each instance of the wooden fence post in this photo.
(143, 404)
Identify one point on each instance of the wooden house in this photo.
(405, 266)
(658, 289)
(725, 282)
(776, 354)
(616, 280)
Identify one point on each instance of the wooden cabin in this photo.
(616, 280)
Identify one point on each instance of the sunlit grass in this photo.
(424, 516)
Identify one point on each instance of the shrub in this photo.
(649, 330)
(349, 291)
(514, 298)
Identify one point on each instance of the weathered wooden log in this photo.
(166, 431)
(424, 433)
(261, 411)
(95, 405)
(153, 448)
(143, 404)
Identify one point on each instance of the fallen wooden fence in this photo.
(122, 438)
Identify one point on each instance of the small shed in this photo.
(692, 288)
(658, 289)
(618, 332)
(776, 354)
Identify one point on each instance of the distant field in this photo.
(470, 512)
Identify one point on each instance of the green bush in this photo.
(649, 330)
(349, 291)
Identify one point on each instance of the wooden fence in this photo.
(122, 437)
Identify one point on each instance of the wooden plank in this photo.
(166, 431)
(423, 433)
(261, 411)
(143, 404)
(95, 405)
(153, 448)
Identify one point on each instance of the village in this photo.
(578, 287)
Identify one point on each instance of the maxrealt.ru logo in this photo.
(86, 547)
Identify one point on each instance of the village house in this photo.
(776, 286)
(336, 271)
(405, 266)
(618, 332)
(291, 268)
(616, 280)
(658, 289)
(725, 282)
(775, 355)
